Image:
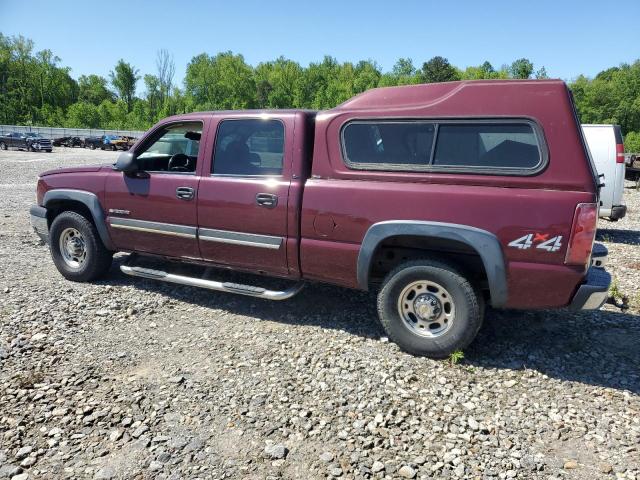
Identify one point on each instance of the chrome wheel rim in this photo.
(426, 308)
(73, 248)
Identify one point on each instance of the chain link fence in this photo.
(55, 132)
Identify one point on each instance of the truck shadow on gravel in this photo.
(598, 348)
(593, 347)
(613, 235)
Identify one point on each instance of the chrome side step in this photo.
(251, 291)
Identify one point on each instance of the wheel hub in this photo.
(73, 248)
(427, 307)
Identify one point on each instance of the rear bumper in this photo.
(618, 212)
(592, 294)
(39, 222)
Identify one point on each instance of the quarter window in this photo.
(477, 146)
(249, 147)
(401, 143)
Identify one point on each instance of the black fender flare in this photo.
(485, 243)
(88, 199)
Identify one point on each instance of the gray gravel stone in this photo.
(8, 470)
(407, 472)
(105, 473)
(276, 452)
(23, 452)
(91, 392)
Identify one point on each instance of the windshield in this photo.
(34, 135)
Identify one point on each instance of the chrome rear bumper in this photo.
(592, 294)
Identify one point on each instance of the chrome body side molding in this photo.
(153, 227)
(239, 238)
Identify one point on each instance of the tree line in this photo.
(36, 89)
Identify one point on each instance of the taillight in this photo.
(620, 153)
(583, 232)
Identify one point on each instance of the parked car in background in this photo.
(607, 152)
(123, 143)
(103, 142)
(31, 141)
(441, 198)
(632, 168)
(68, 141)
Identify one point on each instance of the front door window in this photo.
(174, 150)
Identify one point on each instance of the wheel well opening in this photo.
(55, 208)
(402, 248)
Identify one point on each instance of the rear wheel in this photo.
(429, 308)
(92, 146)
(3, 146)
(76, 248)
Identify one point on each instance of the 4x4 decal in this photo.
(552, 244)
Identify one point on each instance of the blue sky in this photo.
(567, 37)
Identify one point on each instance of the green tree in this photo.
(521, 68)
(541, 73)
(218, 83)
(402, 73)
(83, 115)
(438, 69)
(93, 89)
(632, 142)
(279, 84)
(123, 79)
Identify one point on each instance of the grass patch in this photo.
(456, 357)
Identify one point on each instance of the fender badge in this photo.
(117, 211)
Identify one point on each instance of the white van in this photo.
(607, 152)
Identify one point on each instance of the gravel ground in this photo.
(127, 378)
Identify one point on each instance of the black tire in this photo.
(92, 146)
(468, 309)
(3, 146)
(98, 259)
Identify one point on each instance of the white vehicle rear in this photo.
(607, 152)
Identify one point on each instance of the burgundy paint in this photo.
(324, 208)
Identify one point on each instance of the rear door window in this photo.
(252, 147)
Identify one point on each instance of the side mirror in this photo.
(126, 163)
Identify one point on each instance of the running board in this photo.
(228, 287)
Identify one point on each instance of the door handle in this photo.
(268, 200)
(185, 193)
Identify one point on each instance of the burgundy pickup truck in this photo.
(442, 198)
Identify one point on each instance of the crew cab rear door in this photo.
(243, 197)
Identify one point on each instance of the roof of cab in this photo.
(240, 113)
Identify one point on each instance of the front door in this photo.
(242, 202)
(154, 211)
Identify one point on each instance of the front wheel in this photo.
(429, 308)
(3, 146)
(76, 248)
